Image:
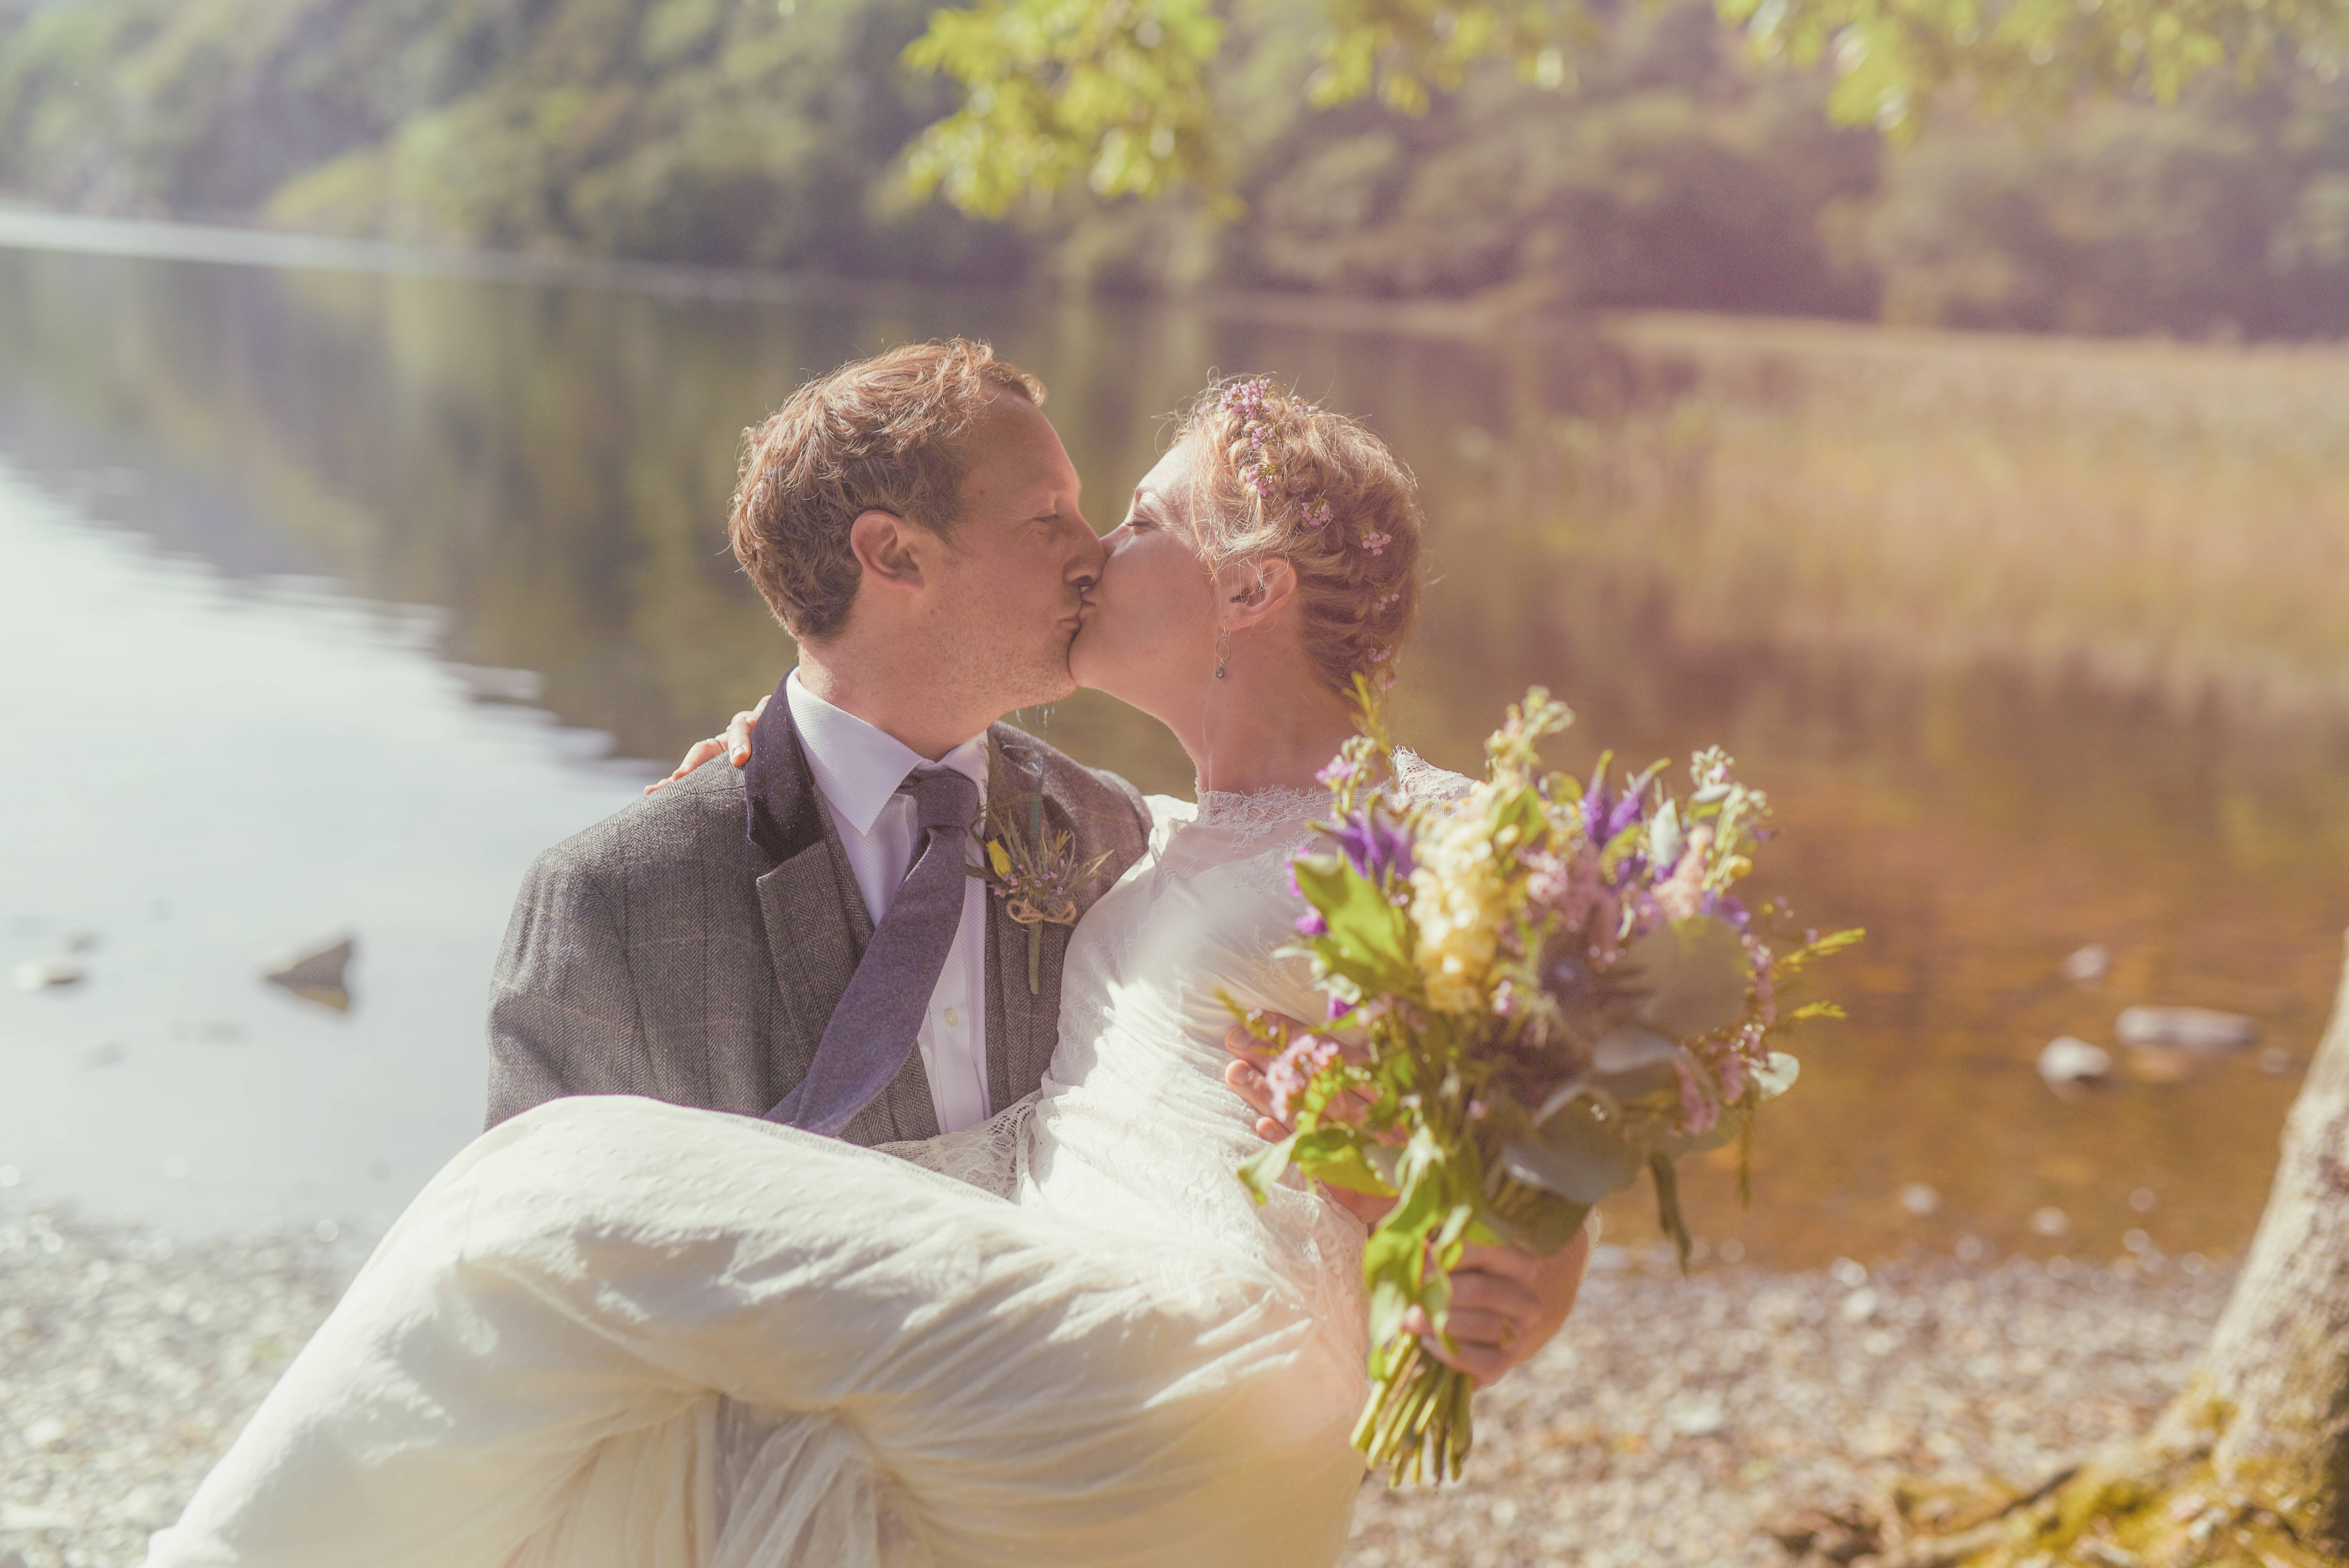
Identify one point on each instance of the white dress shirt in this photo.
(857, 770)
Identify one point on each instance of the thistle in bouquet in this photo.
(1536, 992)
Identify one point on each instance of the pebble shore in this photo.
(1671, 1420)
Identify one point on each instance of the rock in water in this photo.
(40, 973)
(2069, 1063)
(2197, 1030)
(315, 975)
(2089, 965)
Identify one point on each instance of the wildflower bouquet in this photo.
(1547, 987)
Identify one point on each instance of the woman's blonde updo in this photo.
(1277, 476)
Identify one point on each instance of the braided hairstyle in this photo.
(1277, 476)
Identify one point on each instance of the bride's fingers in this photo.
(1247, 1047)
(738, 732)
(1476, 1346)
(1502, 1263)
(1249, 1082)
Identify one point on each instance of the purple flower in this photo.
(1333, 770)
(1310, 923)
(1375, 848)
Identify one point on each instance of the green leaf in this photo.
(1334, 1154)
(1574, 1155)
(1369, 939)
(1542, 1227)
(1667, 1206)
(1260, 1172)
(1692, 977)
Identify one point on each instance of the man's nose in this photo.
(1085, 560)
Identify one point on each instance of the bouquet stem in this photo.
(1416, 1419)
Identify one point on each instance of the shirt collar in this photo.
(858, 766)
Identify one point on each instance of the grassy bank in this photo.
(2163, 518)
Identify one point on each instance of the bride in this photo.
(618, 1331)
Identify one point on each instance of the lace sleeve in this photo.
(986, 1157)
(1419, 781)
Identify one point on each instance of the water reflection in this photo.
(544, 470)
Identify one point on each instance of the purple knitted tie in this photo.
(873, 1029)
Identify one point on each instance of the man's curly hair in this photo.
(884, 434)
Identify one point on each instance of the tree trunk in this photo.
(2249, 1467)
(2271, 1399)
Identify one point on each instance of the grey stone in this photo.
(2200, 1030)
(2066, 1062)
(41, 973)
(317, 973)
(2089, 965)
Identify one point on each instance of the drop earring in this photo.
(1222, 652)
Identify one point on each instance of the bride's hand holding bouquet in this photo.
(1544, 988)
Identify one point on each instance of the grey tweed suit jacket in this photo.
(663, 953)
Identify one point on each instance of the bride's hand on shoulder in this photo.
(734, 745)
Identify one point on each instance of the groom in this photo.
(799, 938)
(913, 522)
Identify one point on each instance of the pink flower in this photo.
(1697, 1113)
(1291, 1071)
(1375, 542)
(1316, 513)
(1681, 895)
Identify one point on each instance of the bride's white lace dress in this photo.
(618, 1332)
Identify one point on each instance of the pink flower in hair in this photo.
(1375, 542)
(1317, 513)
(1379, 604)
(1246, 398)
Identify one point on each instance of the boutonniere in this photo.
(1036, 876)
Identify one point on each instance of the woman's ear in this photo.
(1254, 591)
(883, 546)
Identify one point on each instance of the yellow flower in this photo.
(1458, 901)
(997, 858)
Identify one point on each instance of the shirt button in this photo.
(954, 1019)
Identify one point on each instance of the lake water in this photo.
(332, 591)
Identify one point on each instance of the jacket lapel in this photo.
(816, 928)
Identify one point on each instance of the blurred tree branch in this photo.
(1120, 94)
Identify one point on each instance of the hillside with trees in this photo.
(1660, 166)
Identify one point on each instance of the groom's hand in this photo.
(1506, 1303)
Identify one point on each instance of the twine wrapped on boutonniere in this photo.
(1036, 877)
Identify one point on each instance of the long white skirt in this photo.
(618, 1332)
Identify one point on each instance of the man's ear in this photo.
(884, 546)
(1254, 592)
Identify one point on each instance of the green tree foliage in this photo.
(1087, 73)
(1654, 161)
(674, 130)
